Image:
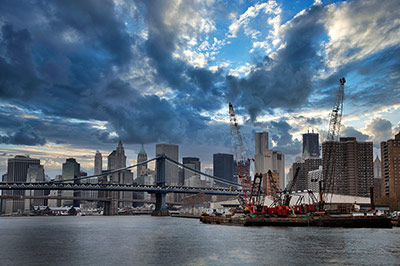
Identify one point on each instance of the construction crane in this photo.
(241, 160)
(335, 118)
(275, 193)
(289, 188)
(257, 194)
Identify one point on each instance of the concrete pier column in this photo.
(161, 206)
(111, 207)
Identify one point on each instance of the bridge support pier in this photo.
(111, 207)
(161, 206)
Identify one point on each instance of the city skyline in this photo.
(90, 74)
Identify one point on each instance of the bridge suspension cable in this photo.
(105, 173)
(204, 174)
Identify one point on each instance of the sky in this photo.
(78, 76)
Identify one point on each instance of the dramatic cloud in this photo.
(352, 132)
(281, 137)
(87, 73)
(353, 37)
(381, 130)
(267, 86)
(25, 136)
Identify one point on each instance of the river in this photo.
(145, 240)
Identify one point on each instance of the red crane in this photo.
(243, 162)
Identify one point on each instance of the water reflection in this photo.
(174, 241)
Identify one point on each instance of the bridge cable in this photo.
(105, 173)
(201, 173)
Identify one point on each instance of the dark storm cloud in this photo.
(198, 87)
(148, 118)
(68, 60)
(286, 80)
(352, 132)
(63, 57)
(22, 130)
(25, 135)
(378, 80)
(17, 72)
(279, 132)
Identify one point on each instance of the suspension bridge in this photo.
(160, 188)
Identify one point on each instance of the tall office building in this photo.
(390, 155)
(87, 193)
(55, 202)
(266, 159)
(35, 174)
(310, 146)
(192, 160)
(70, 171)
(98, 169)
(116, 160)
(377, 178)
(171, 171)
(348, 166)
(223, 167)
(142, 157)
(144, 176)
(261, 142)
(3, 202)
(98, 163)
(17, 171)
(190, 178)
(147, 177)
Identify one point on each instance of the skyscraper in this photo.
(70, 171)
(98, 163)
(377, 178)
(17, 171)
(116, 160)
(223, 167)
(142, 157)
(266, 159)
(348, 165)
(189, 178)
(261, 142)
(310, 146)
(35, 174)
(390, 155)
(3, 202)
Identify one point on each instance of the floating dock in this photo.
(347, 221)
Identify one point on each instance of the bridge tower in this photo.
(161, 206)
(111, 207)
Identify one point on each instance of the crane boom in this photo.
(242, 162)
(289, 188)
(335, 117)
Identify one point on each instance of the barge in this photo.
(342, 220)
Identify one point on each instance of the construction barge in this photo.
(341, 220)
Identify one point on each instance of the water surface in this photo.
(145, 240)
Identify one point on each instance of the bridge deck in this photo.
(117, 187)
